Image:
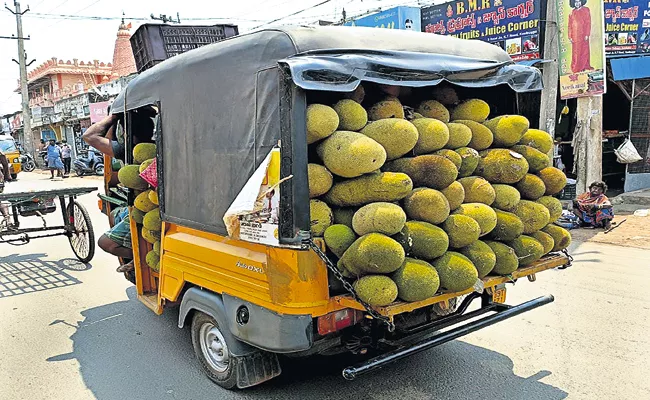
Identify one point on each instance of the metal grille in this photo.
(640, 127)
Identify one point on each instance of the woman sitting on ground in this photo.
(593, 208)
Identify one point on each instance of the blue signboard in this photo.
(512, 25)
(405, 18)
(627, 27)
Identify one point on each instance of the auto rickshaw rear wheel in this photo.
(212, 351)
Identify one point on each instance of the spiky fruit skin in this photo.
(481, 213)
(373, 253)
(533, 215)
(143, 152)
(385, 186)
(321, 217)
(545, 239)
(376, 290)
(531, 187)
(537, 139)
(456, 272)
(152, 221)
(129, 176)
(528, 249)
(320, 180)
(507, 197)
(507, 129)
(351, 154)
(459, 136)
(502, 166)
(387, 108)
(508, 226)
(150, 236)
(343, 215)
(430, 171)
(416, 280)
(455, 194)
(143, 203)
(153, 260)
(433, 135)
(482, 136)
(477, 190)
(553, 205)
(429, 205)
(461, 230)
(561, 237)
(145, 164)
(433, 109)
(322, 121)
(156, 247)
(428, 241)
(473, 109)
(482, 256)
(136, 215)
(507, 261)
(537, 160)
(339, 238)
(396, 136)
(554, 180)
(352, 117)
(153, 196)
(451, 156)
(380, 217)
(470, 158)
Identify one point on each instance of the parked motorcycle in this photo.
(90, 163)
(27, 162)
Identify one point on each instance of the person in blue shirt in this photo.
(54, 159)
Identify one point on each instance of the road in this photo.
(74, 331)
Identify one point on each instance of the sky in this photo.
(65, 29)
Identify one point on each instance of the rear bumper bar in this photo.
(501, 313)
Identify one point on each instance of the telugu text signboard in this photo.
(627, 27)
(405, 18)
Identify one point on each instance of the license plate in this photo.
(499, 295)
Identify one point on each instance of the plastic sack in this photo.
(626, 153)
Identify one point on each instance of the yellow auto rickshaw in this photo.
(10, 150)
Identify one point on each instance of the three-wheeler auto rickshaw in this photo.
(221, 110)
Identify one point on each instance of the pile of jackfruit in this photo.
(145, 211)
(412, 203)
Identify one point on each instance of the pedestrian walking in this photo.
(66, 155)
(54, 161)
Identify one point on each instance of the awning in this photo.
(628, 68)
(533, 63)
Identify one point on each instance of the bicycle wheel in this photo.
(82, 236)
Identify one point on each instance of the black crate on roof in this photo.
(153, 43)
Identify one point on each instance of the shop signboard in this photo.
(627, 27)
(581, 48)
(405, 18)
(512, 25)
(98, 111)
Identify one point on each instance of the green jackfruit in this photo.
(545, 239)
(152, 220)
(145, 164)
(429, 205)
(507, 129)
(433, 109)
(482, 136)
(397, 136)
(136, 215)
(373, 253)
(352, 117)
(358, 95)
(416, 280)
(537, 139)
(506, 198)
(461, 230)
(320, 180)
(339, 238)
(481, 213)
(537, 160)
(477, 190)
(451, 156)
(470, 159)
(508, 226)
(321, 217)
(455, 194)
(150, 236)
(482, 256)
(322, 121)
(456, 272)
(502, 166)
(376, 290)
(153, 260)
(343, 215)
(554, 180)
(553, 205)
(153, 196)
(433, 135)
(432, 171)
(143, 152)
(380, 217)
(387, 108)
(528, 249)
(129, 176)
(473, 109)
(385, 186)
(446, 95)
(459, 136)
(351, 154)
(428, 241)
(531, 187)
(507, 261)
(534, 215)
(156, 247)
(403, 237)
(561, 237)
(143, 203)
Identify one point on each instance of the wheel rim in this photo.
(80, 237)
(214, 347)
(99, 170)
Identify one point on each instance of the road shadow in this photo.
(126, 351)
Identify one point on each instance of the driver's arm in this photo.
(95, 136)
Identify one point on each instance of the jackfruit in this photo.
(545, 239)
(397, 136)
(537, 139)
(561, 237)
(385, 186)
(136, 215)
(373, 253)
(351, 154)
(387, 108)
(435, 172)
(416, 280)
(461, 230)
(470, 160)
(507, 129)
(531, 187)
(428, 241)
(456, 272)
(358, 95)
(502, 166)
(433, 109)
(143, 203)
(481, 213)
(321, 217)
(156, 247)
(145, 164)
(451, 156)
(482, 136)
(343, 215)
(537, 160)
(507, 261)
(477, 190)
(455, 194)
(473, 109)
(129, 176)
(446, 95)
(352, 117)
(433, 135)
(150, 236)
(553, 205)
(153, 260)
(459, 136)
(376, 290)
(143, 152)
(380, 217)
(528, 249)
(322, 121)
(403, 237)
(429, 205)
(554, 180)
(506, 198)
(508, 226)
(339, 238)
(482, 256)
(415, 116)
(320, 180)
(533, 215)
(152, 220)
(153, 196)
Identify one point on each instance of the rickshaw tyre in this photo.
(226, 379)
(91, 232)
(14, 177)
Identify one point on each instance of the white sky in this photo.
(87, 40)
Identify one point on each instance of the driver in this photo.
(5, 166)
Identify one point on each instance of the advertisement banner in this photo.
(581, 47)
(404, 18)
(98, 111)
(512, 25)
(627, 27)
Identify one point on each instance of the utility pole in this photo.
(550, 73)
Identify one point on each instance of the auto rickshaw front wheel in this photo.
(212, 351)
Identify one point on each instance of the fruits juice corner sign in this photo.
(627, 27)
(581, 48)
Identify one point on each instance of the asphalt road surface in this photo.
(74, 331)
